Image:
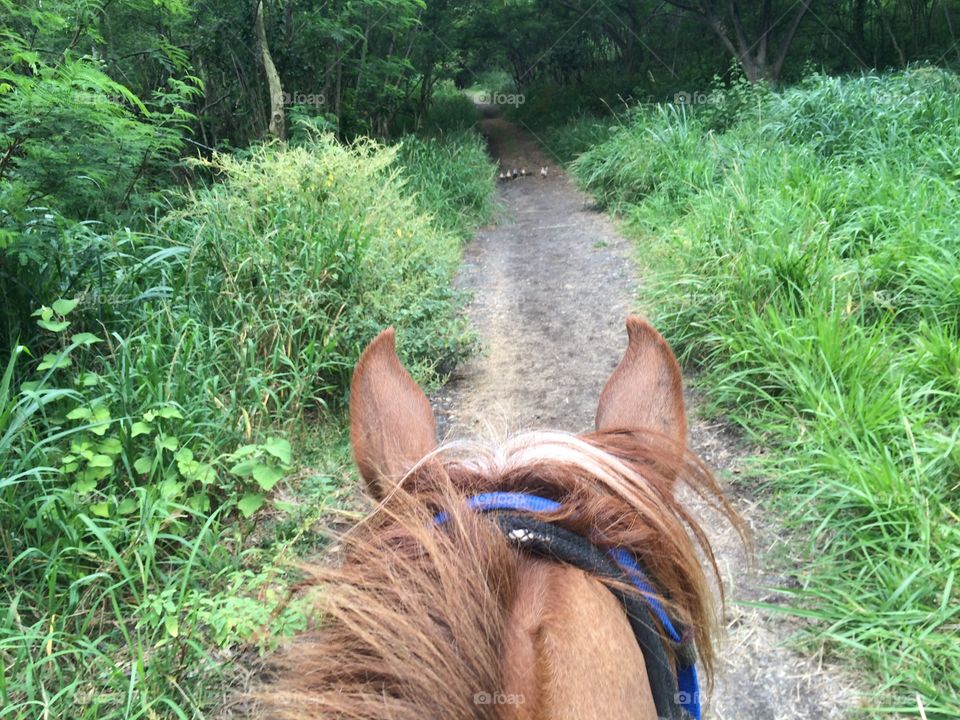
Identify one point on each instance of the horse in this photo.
(551, 575)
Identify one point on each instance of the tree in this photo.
(277, 121)
(757, 56)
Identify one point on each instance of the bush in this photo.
(147, 440)
(303, 253)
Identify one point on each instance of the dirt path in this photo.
(552, 284)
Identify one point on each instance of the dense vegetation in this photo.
(134, 457)
(181, 302)
(804, 256)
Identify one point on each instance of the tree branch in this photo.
(788, 38)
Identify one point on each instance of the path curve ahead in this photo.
(552, 283)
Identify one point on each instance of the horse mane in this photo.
(411, 623)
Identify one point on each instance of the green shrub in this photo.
(296, 258)
(154, 418)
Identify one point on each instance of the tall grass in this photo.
(148, 486)
(451, 177)
(450, 111)
(805, 255)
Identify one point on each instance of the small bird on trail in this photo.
(523, 172)
(503, 176)
(515, 174)
(543, 172)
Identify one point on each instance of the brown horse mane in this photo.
(411, 622)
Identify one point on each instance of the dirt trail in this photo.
(552, 284)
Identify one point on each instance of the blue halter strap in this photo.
(688, 687)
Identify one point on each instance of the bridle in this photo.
(675, 689)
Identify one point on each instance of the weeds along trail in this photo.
(552, 282)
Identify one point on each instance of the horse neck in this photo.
(569, 651)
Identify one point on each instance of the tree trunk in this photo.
(338, 98)
(858, 31)
(277, 126)
(753, 57)
(288, 23)
(893, 36)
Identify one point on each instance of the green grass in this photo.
(451, 177)
(450, 111)
(169, 444)
(804, 257)
(574, 137)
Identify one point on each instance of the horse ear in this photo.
(391, 424)
(646, 388)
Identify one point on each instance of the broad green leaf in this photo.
(250, 503)
(204, 473)
(243, 451)
(279, 448)
(54, 361)
(199, 502)
(110, 446)
(170, 488)
(64, 307)
(185, 454)
(80, 413)
(245, 468)
(200, 472)
(143, 465)
(171, 625)
(101, 461)
(127, 506)
(94, 473)
(287, 507)
(85, 338)
(170, 412)
(85, 485)
(140, 428)
(168, 442)
(54, 325)
(266, 476)
(101, 416)
(100, 509)
(89, 379)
